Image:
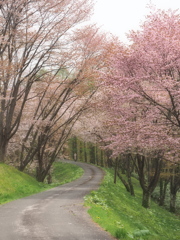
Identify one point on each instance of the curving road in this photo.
(56, 214)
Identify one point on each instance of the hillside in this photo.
(121, 214)
(111, 206)
(15, 184)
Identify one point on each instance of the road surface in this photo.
(56, 214)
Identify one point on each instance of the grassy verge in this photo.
(15, 184)
(122, 215)
(64, 172)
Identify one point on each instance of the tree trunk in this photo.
(2, 153)
(125, 166)
(109, 160)
(49, 178)
(102, 158)
(92, 154)
(115, 169)
(85, 152)
(146, 199)
(43, 171)
(26, 159)
(149, 183)
(41, 162)
(124, 182)
(3, 150)
(172, 202)
(96, 154)
(173, 191)
(128, 174)
(40, 175)
(163, 188)
(131, 186)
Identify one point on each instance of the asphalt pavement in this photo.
(56, 214)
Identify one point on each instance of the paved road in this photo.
(56, 214)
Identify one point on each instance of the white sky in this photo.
(121, 16)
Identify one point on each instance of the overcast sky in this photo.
(121, 16)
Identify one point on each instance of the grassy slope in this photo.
(122, 215)
(111, 206)
(15, 184)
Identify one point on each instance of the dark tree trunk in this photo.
(3, 150)
(92, 154)
(146, 200)
(49, 178)
(42, 171)
(163, 188)
(173, 202)
(109, 160)
(85, 152)
(124, 182)
(102, 158)
(149, 183)
(25, 160)
(174, 187)
(115, 170)
(131, 186)
(129, 170)
(96, 154)
(40, 175)
(125, 164)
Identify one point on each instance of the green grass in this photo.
(114, 209)
(15, 184)
(64, 172)
(111, 206)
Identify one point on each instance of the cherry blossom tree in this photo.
(142, 93)
(57, 101)
(35, 35)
